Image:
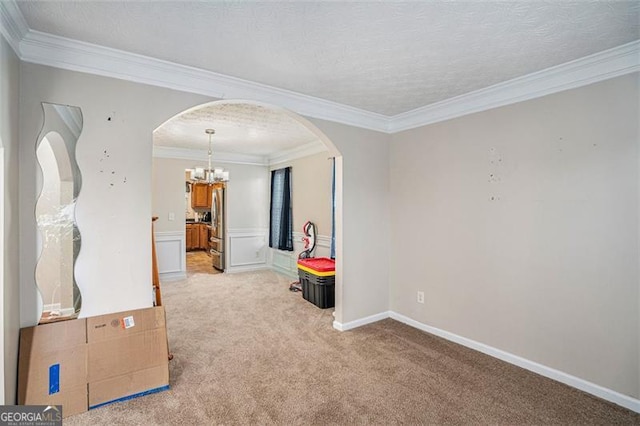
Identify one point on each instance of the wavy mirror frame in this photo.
(59, 238)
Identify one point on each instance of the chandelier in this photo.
(209, 175)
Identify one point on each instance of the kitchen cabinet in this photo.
(201, 196)
(204, 237)
(209, 196)
(192, 236)
(197, 236)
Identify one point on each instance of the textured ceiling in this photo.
(240, 128)
(385, 57)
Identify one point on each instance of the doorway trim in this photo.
(333, 151)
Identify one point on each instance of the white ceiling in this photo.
(384, 57)
(240, 128)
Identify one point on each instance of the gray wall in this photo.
(113, 212)
(114, 266)
(520, 224)
(365, 222)
(9, 100)
(247, 194)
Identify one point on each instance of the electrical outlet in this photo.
(172, 216)
(421, 297)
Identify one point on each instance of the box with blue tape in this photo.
(86, 363)
(127, 355)
(52, 368)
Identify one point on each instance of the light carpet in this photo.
(248, 351)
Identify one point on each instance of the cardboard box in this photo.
(52, 367)
(138, 382)
(127, 355)
(119, 324)
(134, 352)
(89, 362)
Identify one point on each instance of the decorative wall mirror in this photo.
(59, 237)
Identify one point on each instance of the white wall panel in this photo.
(246, 249)
(171, 254)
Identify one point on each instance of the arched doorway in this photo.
(183, 137)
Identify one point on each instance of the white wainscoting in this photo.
(246, 249)
(283, 262)
(286, 262)
(172, 255)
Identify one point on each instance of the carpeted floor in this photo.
(248, 351)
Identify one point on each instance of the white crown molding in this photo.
(604, 65)
(297, 152)
(234, 158)
(12, 25)
(65, 53)
(199, 155)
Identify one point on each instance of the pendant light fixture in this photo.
(209, 175)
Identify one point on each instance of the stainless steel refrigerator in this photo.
(217, 237)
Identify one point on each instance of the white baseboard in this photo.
(575, 382)
(172, 276)
(610, 395)
(360, 322)
(245, 268)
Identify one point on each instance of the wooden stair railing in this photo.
(157, 295)
(155, 280)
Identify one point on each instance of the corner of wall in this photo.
(10, 288)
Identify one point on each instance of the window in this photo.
(281, 216)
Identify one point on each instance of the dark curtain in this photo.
(333, 209)
(281, 215)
